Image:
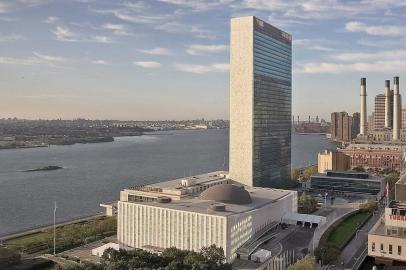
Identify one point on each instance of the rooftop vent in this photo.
(164, 199)
(218, 207)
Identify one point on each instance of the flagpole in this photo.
(55, 206)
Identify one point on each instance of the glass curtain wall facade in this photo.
(272, 105)
(260, 103)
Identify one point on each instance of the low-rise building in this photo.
(348, 183)
(376, 155)
(199, 211)
(387, 239)
(333, 161)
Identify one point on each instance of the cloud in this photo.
(198, 5)
(156, 51)
(101, 62)
(362, 67)
(101, 39)
(376, 30)
(147, 64)
(198, 49)
(382, 43)
(51, 19)
(118, 29)
(36, 59)
(313, 44)
(136, 18)
(178, 28)
(201, 69)
(10, 38)
(64, 34)
(361, 56)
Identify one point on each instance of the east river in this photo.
(95, 173)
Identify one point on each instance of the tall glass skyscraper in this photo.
(260, 102)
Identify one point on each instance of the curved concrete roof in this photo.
(226, 193)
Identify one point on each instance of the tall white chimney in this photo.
(396, 109)
(388, 109)
(363, 114)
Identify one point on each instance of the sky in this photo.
(169, 59)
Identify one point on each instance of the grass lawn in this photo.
(67, 236)
(346, 229)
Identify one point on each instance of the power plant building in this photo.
(386, 124)
(260, 102)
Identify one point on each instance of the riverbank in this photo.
(68, 235)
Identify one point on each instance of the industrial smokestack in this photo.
(396, 109)
(388, 109)
(363, 116)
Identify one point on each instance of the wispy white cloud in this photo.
(137, 18)
(198, 5)
(177, 28)
(199, 49)
(51, 19)
(362, 67)
(382, 43)
(201, 69)
(36, 59)
(10, 38)
(101, 62)
(64, 34)
(147, 64)
(373, 56)
(101, 39)
(156, 51)
(313, 44)
(376, 30)
(117, 29)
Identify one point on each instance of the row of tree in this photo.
(209, 258)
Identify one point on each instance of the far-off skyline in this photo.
(169, 59)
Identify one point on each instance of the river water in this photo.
(95, 173)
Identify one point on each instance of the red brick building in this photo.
(376, 156)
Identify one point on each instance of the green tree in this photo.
(308, 172)
(327, 254)
(307, 263)
(359, 169)
(307, 204)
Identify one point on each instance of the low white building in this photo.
(199, 211)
